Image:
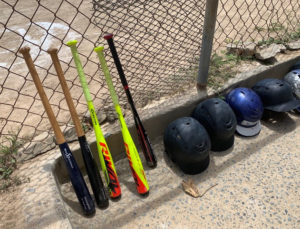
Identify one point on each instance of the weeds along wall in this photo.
(158, 42)
(259, 21)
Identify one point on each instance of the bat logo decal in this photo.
(113, 179)
(135, 176)
(68, 155)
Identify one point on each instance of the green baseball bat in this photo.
(131, 151)
(105, 157)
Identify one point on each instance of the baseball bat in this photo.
(105, 157)
(131, 151)
(89, 162)
(76, 177)
(142, 135)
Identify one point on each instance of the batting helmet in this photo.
(219, 120)
(187, 144)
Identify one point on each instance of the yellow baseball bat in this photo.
(131, 151)
(105, 157)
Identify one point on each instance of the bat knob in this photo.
(72, 43)
(108, 36)
(24, 50)
(146, 194)
(152, 164)
(102, 200)
(98, 49)
(52, 50)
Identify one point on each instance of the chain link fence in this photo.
(259, 21)
(159, 46)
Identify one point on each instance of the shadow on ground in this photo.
(279, 125)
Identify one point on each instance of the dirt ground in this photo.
(158, 44)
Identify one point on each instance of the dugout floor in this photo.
(257, 187)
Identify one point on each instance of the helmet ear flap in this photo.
(172, 131)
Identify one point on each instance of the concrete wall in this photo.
(157, 118)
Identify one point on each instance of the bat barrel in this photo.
(93, 174)
(64, 86)
(72, 45)
(79, 185)
(105, 157)
(38, 84)
(75, 175)
(142, 135)
(110, 41)
(90, 164)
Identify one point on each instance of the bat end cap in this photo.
(52, 50)
(25, 49)
(90, 212)
(116, 198)
(145, 194)
(104, 204)
(108, 36)
(72, 43)
(98, 49)
(152, 164)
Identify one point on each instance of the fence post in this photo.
(207, 42)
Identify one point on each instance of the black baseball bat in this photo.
(142, 135)
(76, 177)
(89, 162)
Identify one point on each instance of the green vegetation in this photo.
(284, 37)
(259, 29)
(222, 68)
(270, 40)
(231, 41)
(8, 162)
(183, 78)
(85, 127)
(276, 27)
(295, 34)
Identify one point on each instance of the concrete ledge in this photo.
(156, 119)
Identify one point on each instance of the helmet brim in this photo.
(248, 131)
(284, 107)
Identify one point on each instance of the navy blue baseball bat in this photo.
(79, 185)
(88, 159)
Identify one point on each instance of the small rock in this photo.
(124, 104)
(39, 145)
(100, 115)
(70, 134)
(269, 52)
(142, 102)
(294, 45)
(282, 48)
(47, 167)
(242, 48)
(127, 112)
(111, 115)
(30, 190)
